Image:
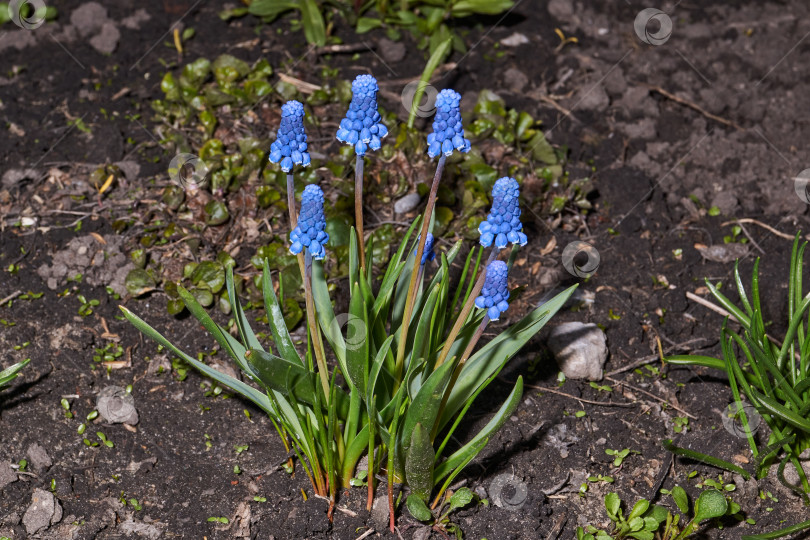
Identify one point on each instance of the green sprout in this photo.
(620, 455)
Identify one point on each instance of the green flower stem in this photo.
(465, 311)
(411, 298)
(358, 209)
(313, 325)
(291, 201)
(457, 371)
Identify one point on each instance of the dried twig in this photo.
(583, 400)
(649, 394)
(693, 106)
(653, 357)
(764, 226)
(10, 297)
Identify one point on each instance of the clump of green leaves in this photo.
(644, 519)
(12, 372)
(430, 21)
(773, 375)
(439, 518)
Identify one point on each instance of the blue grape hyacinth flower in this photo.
(427, 254)
(290, 146)
(503, 222)
(309, 233)
(362, 126)
(495, 293)
(448, 132)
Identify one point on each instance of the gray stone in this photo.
(561, 9)
(515, 40)
(133, 22)
(116, 406)
(107, 40)
(723, 253)
(13, 176)
(38, 457)
(643, 128)
(580, 350)
(591, 97)
(391, 51)
(131, 169)
(7, 474)
(407, 203)
(615, 83)
(19, 39)
(44, 511)
(89, 18)
(379, 512)
(515, 80)
(152, 531)
(791, 475)
(726, 202)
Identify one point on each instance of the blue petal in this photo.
(493, 313)
(486, 239)
(286, 164)
(360, 148)
(275, 156)
(479, 302)
(503, 305)
(447, 148)
(296, 248)
(382, 131)
(306, 159)
(500, 241)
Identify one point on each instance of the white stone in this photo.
(580, 350)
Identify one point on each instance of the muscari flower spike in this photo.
(427, 254)
(362, 125)
(495, 293)
(290, 146)
(448, 133)
(309, 233)
(503, 222)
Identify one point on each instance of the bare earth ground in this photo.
(717, 112)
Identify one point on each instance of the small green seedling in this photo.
(440, 519)
(620, 455)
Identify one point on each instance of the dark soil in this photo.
(730, 138)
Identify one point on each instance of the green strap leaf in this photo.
(469, 450)
(281, 336)
(499, 351)
(704, 458)
(419, 463)
(358, 342)
(311, 18)
(254, 395)
(290, 379)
